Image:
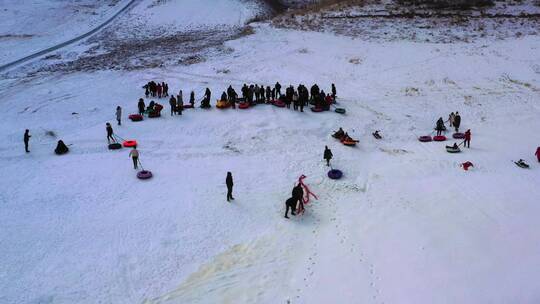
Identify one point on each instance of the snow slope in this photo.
(30, 26)
(404, 225)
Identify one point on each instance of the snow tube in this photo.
(130, 143)
(144, 174)
(315, 109)
(458, 135)
(451, 149)
(439, 138)
(349, 143)
(154, 114)
(279, 104)
(135, 117)
(522, 165)
(222, 104)
(340, 110)
(244, 105)
(115, 146)
(335, 174)
(188, 106)
(425, 138)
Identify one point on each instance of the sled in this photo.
(115, 146)
(144, 174)
(243, 106)
(222, 104)
(522, 165)
(279, 104)
(425, 138)
(349, 142)
(188, 106)
(316, 110)
(135, 117)
(451, 149)
(439, 138)
(458, 135)
(340, 110)
(335, 174)
(129, 143)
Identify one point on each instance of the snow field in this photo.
(404, 225)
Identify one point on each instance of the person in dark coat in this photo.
(229, 93)
(172, 103)
(334, 92)
(224, 96)
(119, 115)
(290, 203)
(26, 140)
(61, 148)
(192, 98)
(298, 194)
(439, 126)
(457, 121)
(141, 106)
(327, 155)
(278, 89)
(110, 136)
(229, 183)
(268, 94)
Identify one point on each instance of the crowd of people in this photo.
(298, 97)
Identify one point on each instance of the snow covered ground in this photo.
(405, 225)
(29, 26)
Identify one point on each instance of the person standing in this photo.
(180, 103)
(119, 115)
(26, 140)
(467, 141)
(451, 119)
(109, 133)
(192, 99)
(141, 106)
(457, 121)
(298, 195)
(278, 89)
(229, 183)
(334, 92)
(327, 155)
(172, 103)
(134, 154)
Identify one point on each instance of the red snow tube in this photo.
(458, 135)
(439, 138)
(244, 105)
(335, 174)
(144, 174)
(279, 104)
(135, 117)
(315, 109)
(130, 143)
(425, 138)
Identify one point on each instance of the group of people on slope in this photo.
(154, 89)
(61, 147)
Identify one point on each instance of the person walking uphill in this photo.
(298, 195)
(109, 133)
(134, 154)
(327, 155)
(172, 103)
(119, 115)
(229, 183)
(26, 140)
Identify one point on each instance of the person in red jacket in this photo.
(467, 141)
(538, 154)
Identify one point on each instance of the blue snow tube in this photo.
(335, 174)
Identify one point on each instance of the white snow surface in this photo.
(405, 224)
(29, 26)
